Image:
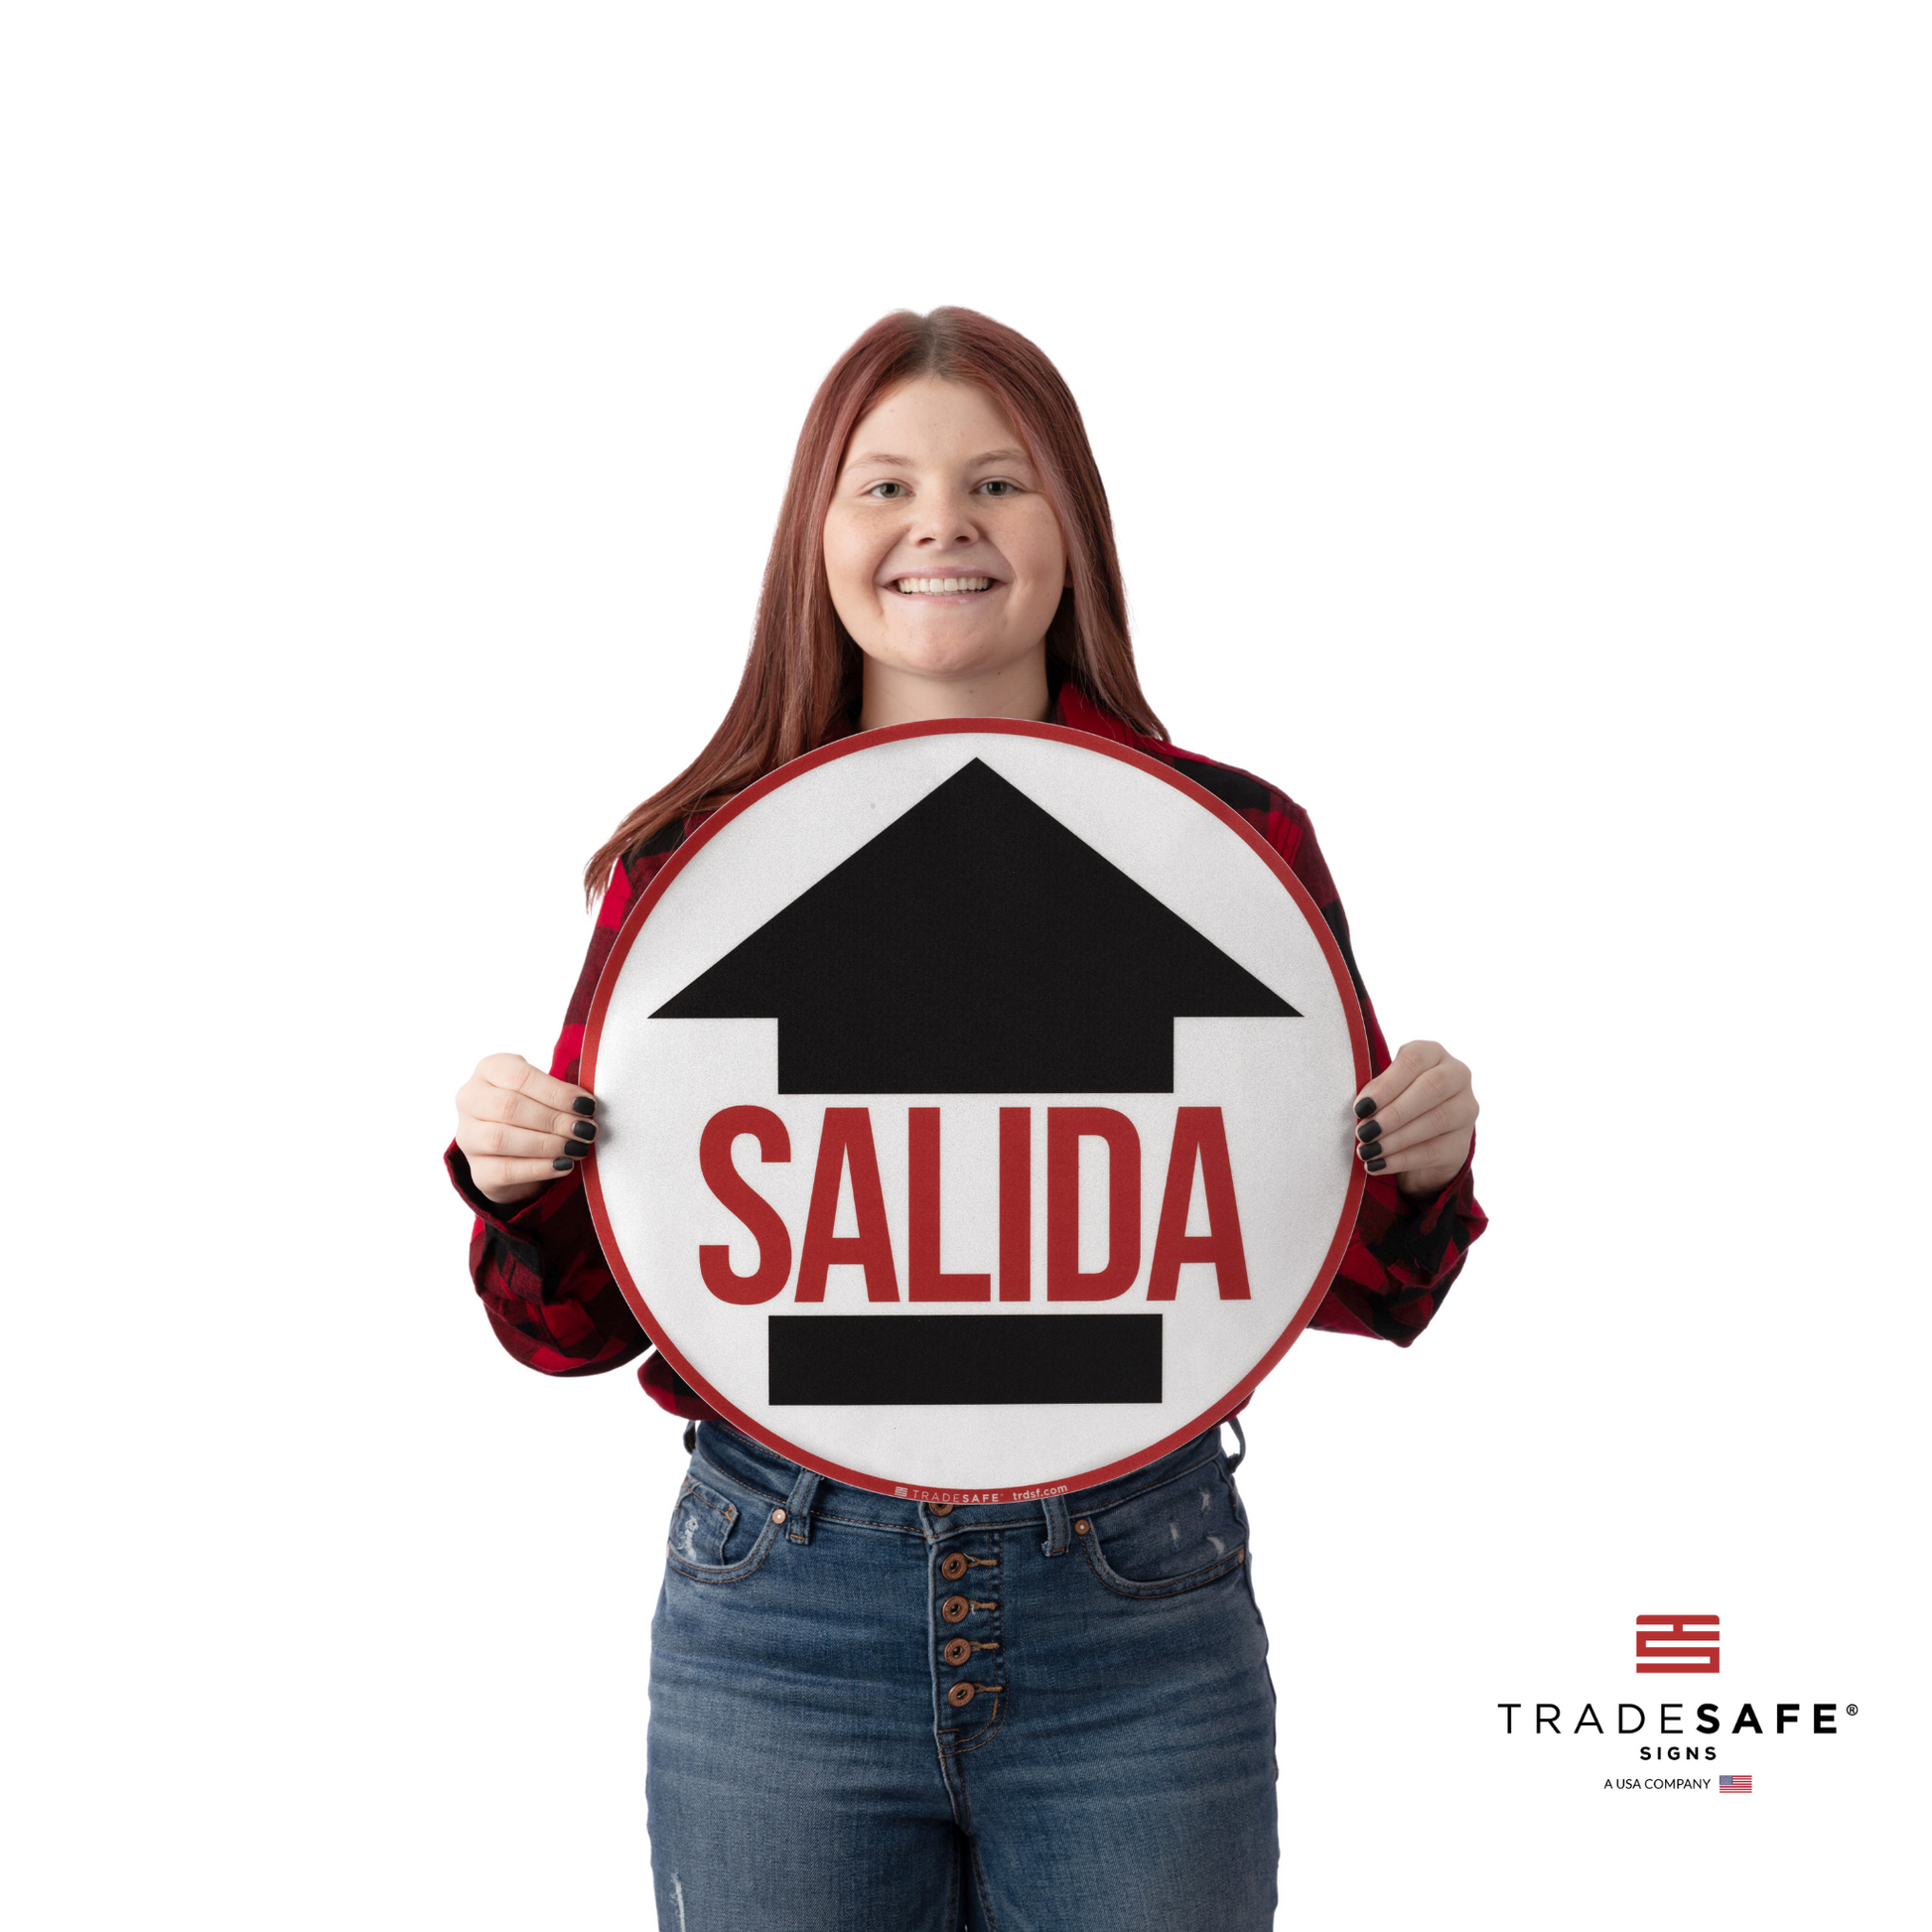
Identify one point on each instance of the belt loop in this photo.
(1053, 1508)
(1240, 1435)
(798, 1505)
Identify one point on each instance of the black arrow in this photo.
(976, 945)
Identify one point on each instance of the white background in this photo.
(1516, 419)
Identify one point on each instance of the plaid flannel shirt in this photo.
(556, 1306)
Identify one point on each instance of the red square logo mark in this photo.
(1677, 1644)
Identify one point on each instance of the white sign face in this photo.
(975, 1110)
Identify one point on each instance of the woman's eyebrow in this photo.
(885, 460)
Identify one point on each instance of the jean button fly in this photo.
(955, 1610)
(953, 1567)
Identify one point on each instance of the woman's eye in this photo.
(997, 487)
(887, 491)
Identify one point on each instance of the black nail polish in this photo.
(1365, 1106)
(562, 1163)
(1376, 1166)
(584, 1104)
(1370, 1130)
(585, 1130)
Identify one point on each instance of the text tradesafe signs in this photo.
(975, 1107)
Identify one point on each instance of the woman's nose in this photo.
(944, 524)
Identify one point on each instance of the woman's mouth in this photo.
(939, 586)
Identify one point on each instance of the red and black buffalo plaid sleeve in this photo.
(538, 1267)
(556, 1306)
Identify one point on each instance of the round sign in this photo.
(975, 1106)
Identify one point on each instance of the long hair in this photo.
(803, 668)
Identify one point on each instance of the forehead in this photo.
(933, 419)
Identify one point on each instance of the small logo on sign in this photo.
(1741, 1785)
(1677, 1645)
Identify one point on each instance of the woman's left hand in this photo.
(1415, 1120)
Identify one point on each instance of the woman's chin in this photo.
(954, 659)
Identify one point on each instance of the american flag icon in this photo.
(1726, 1782)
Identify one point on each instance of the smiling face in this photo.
(944, 558)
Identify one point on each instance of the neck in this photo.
(894, 696)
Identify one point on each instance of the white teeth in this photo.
(941, 586)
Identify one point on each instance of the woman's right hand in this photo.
(518, 1128)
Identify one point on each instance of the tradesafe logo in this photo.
(1676, 1644)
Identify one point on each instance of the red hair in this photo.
(803, 669)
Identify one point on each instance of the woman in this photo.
(1085, 1738)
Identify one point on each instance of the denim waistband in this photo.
(772, 1480)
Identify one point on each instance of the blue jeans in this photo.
(866, 1715)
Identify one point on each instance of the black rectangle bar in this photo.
(926, 1360)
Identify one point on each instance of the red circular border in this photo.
(1011, 727)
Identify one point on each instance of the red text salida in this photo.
(846, 1152)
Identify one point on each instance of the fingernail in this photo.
(584, 1104)
(1365, 1106)
(1376, 1166)
(585, 1130)
(1370, 1130)
(563, 1163)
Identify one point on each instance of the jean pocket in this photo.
(1189, 1532)
(700, 1545)
(701, 1524)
